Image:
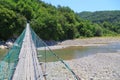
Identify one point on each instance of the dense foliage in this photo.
(109, 21)
(52, 23)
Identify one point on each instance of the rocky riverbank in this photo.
(100, 66)
(96, 41)
(7, 44)
(91, 41)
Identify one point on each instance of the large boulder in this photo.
(10, 42)
(3, 47)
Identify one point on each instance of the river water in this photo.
(78, 52)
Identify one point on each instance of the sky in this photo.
(87, 5)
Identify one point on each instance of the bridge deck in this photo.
(28, 67)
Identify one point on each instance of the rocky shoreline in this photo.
(91, 41)
(100, 66)
(7, 44)
(96, 41)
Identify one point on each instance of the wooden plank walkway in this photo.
(28, 67)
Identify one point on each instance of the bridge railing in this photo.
(10, 60)
(54, 68)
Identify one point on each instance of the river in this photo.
(78, 51)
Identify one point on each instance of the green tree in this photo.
(7, 18)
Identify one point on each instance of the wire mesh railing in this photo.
(53, 66)
(9, 61)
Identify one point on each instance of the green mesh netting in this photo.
(9, 62)
(53, 66)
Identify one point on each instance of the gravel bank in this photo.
(100, 66)
(95, 41)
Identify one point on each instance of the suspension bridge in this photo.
(27, 60)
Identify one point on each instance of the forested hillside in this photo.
(52, 23)
(109, 20)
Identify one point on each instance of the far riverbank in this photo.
(95, 41)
